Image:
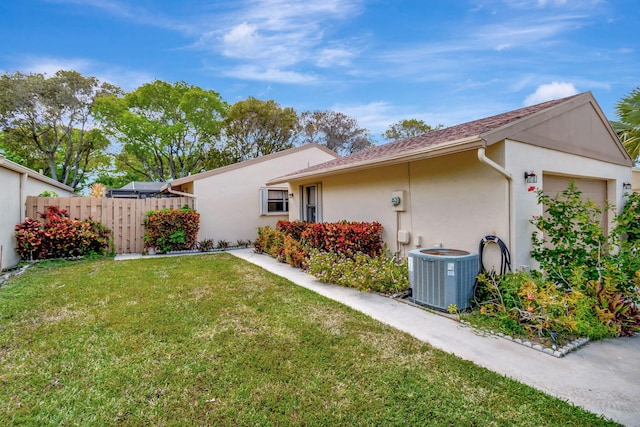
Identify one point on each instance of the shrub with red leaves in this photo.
(58, 236)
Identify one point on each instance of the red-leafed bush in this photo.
(347, 238)
(292, 242)
(171, 229)
(58, 236)
(295, 253)
(293, 228)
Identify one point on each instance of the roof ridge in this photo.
(457, 132)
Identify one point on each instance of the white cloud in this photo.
(378, 116)
(269, 37)
(550, 91)
(334, 56)
(273, 75)
(543, 3)
(124, 78)
(241, 41)
(49, 66)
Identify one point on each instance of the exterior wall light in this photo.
(530, 178)
(626, 186)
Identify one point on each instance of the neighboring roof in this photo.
(144, 186)
(8, 164)
(206, 174)
(136, 190)
(466, 136)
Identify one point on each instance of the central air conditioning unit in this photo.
(441, 277)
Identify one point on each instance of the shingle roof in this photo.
(430, 140)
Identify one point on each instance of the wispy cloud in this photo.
(379, 115)
(264, 40)
(125, 78)
(276, 35)
(275, 75)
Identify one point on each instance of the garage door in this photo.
(591, 189)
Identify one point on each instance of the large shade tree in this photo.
(166, 131)
(408, 128)
(47, 124)
(255, 128)
(628, 125)
(335, 130)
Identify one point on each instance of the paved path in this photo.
(602, 377)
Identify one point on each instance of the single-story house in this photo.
(452, 187)
(18, 182)
(234, 200)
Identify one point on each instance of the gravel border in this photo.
(555, 352)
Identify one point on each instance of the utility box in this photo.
(404, 237)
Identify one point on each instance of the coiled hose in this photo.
(505, 258)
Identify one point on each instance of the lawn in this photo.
(213, 340)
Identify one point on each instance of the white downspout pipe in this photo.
(502, 171)
(182, 194)
(24, 177)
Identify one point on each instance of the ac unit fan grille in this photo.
(438, 281)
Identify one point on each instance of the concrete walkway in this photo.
(602, 377)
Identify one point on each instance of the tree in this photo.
(116, 176)
(167, 131)
(335, 130)
(256, 128)
(408, 128)
(47, 123)
(628, 126)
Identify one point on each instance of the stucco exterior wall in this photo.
(15, 187)
(451, 201)
(9, 215)
(523, 157)
(456, 200)
(229, 202)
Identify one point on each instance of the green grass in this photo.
(213, 340)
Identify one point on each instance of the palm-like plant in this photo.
(628, 126)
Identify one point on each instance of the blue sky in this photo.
(379, 61)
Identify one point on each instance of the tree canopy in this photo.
(255, 128)
(335, 130)
(166, 131)
(408, 128)
(628, 125)
(47, 124)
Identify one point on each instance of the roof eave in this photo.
(250, 162)
(8, 164)
(452, 147)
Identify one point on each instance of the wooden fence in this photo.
(124, 217)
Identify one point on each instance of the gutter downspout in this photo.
(23, 195)
(180, 193)
(502, 171)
